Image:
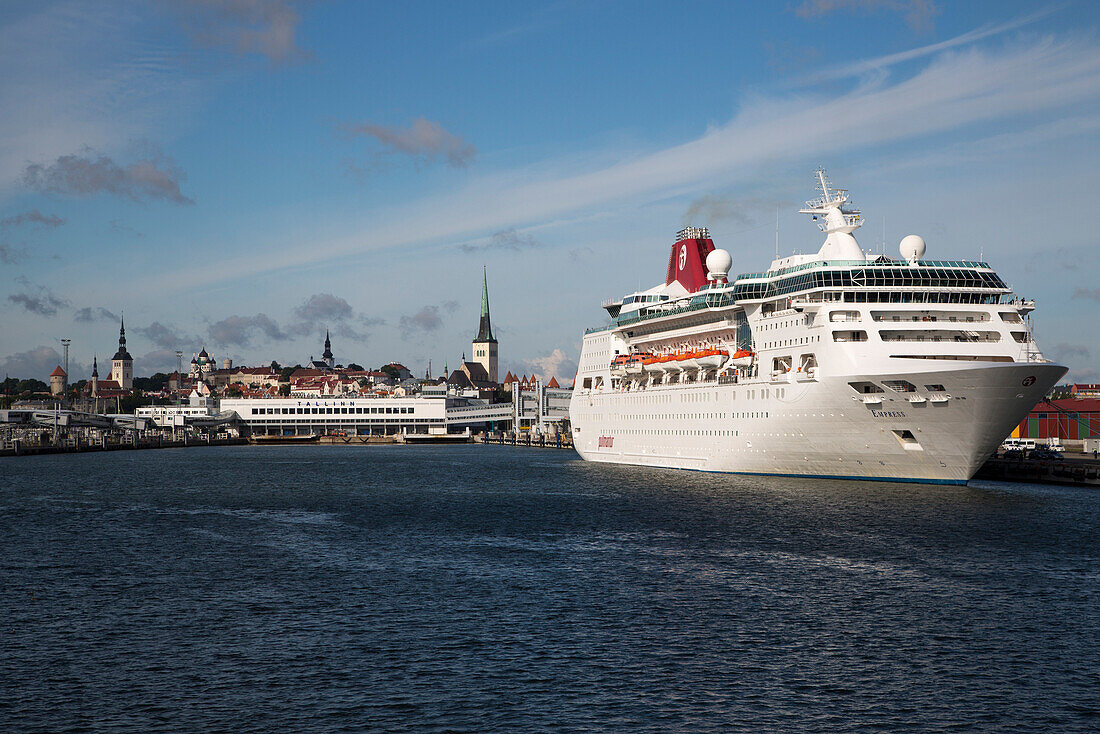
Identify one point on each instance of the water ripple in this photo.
(472, 589)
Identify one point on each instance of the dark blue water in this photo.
(471, 589)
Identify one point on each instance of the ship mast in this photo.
(832, 209)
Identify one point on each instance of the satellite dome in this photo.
(912, 247)
(719, 263)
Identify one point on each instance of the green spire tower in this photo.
(485, 344)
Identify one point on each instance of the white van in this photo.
(1026, 444)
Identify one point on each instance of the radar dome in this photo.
(719, 263)
(912, 247)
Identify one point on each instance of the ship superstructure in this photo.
(835, 364)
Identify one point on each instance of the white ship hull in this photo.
(818, 428)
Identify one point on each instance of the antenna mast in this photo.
(777, 231)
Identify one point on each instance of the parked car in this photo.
(1044, 455)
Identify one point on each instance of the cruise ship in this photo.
(839, 364)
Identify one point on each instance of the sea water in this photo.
(487, 588)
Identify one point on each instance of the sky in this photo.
(247, 174)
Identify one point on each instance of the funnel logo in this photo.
(683, 257)
(1028, 381)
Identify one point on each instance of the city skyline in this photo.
(248, 175)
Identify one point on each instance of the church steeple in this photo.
(122, 353)
(95, 366)
(327, 354)
(485, 344)
(122, 364)
(485, 327)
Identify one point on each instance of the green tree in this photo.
(390, 370)
(31, 386)
(355, 367)
(131, 403)
(156, 383)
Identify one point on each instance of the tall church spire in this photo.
(327, 354)
(485, 344)
(122, 353)
(485, 328)
(122, 364)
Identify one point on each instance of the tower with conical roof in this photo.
(122, 364)
(95, 376)
(485, 344)
(327, 355)
(59, 381)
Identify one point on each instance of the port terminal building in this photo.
(435, 411)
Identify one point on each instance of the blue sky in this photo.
(248, 173)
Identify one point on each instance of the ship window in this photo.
(900, 385)
(865, 388)
(907, 440)
(935, 388)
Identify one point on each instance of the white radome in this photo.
(719, 263)
(912, 247)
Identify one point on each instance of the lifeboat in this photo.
(743, 358)
(618, 365)
(711, 359)
(635, 365)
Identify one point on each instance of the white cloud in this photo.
(957, 90)
(81, 74)
(556, 364)
(965, 39)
